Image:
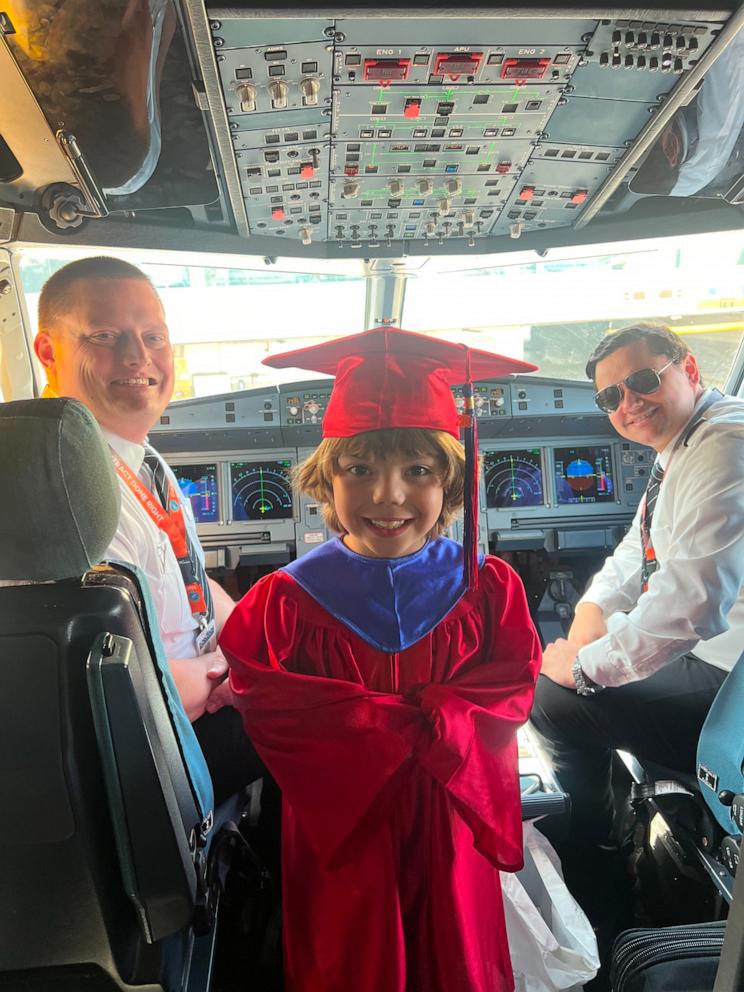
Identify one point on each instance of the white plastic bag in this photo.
(551, 942)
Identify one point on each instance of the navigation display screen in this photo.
(262, 490)
(199, 483)
(513, 478)
(584, 474)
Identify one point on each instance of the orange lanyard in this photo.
(173, 525)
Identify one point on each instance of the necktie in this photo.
(649, 563)
(155, 464)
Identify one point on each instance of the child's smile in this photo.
(388, 507)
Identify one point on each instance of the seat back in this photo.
(104, 826)
(720, 753)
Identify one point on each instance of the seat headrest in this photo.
(60, 498)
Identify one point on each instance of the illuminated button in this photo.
(412, 109)
(579, 196)
(526, 193)
(277, 213)
(307, 171)
(503, 167)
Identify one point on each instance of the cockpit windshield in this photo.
(227, 315)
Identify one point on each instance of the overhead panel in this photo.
(367, 130)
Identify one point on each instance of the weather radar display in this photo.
(261, 490)
(584, 475)
(199, 483)
(513, 478)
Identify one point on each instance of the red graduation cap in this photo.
(387, 377)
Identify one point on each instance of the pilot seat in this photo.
(107, 802)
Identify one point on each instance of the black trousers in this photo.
(231, 758)
(658, 718)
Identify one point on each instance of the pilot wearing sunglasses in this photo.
(662, 623)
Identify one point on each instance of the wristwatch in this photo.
(584, 685)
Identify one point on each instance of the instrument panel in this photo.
(554, 473)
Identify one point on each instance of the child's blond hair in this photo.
(315, 475)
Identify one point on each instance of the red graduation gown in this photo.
(400, 783)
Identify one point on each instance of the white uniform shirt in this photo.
(140, 541)
(695, 598)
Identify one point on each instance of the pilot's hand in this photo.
(588, 624)
(195, 679)
(558, 658)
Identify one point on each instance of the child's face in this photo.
(389, 506)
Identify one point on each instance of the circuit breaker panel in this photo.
(362, 131)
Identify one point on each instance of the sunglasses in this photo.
(644, 381)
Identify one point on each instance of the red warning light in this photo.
(307, 171)
(386, 71)
(412, 109)
(579, 196)
(503, 167)
(526, 193)
(277, 213)
(456, 64)
(521, 70)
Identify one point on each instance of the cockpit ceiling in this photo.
(313, 130)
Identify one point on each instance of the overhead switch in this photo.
(306, 235)
(386, 71)
(277, 213)
(307, 170)
(310, 88)
(579, 196)
(523, 69)
(412, 109)
(456, 64)
(526, 193)
(279, 94)
(247, 94)
(425, 186)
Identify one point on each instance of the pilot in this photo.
(103, 340)
(662, 622)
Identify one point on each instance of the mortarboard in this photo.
(387, 377)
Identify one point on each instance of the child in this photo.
(384, 694)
